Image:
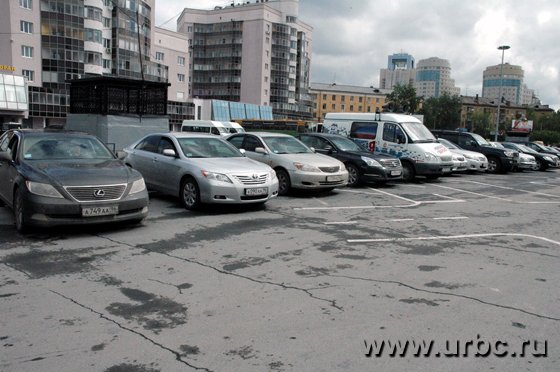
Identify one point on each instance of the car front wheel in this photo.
(283, 182)
(494, 165)
(190, 194)
(408, 172)
(353, 175)
(19, 212)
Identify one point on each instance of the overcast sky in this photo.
(353, 38)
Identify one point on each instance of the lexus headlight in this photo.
(306, 167)
(216, 176)
(547, 158)
(137, 186)
(509, 154)
(43, 189)
(371, 162)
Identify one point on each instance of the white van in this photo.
(233, 127)
(403, 136)
(220, 128)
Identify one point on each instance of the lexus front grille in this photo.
(96, 193)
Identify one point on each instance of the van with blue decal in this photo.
(403, 136)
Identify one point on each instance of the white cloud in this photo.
(352, 39)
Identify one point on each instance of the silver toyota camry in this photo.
(200, 168)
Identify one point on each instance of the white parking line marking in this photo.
(512, 188)
(401, 219)
(452, 237)
(474, 193)
(342, 223)
(393, 195)
(451, 218)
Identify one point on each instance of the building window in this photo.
(27, 4)
(181, 78)
(26, 51)
(106, 22)
(181, 61)
(324, 106)
(93, 35)
(324, 97)
(333, 107)
(266, 66)
(29, 75)
(106, 63)
(26, 27)
(160, 56)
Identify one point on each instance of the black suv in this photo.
(499, 160)
(362, 166)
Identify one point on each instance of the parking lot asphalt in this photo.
(331, 281)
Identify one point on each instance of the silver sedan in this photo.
(475, 160)
(200, 168)
(296, 165)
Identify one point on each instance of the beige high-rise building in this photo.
(433, 78)
(254, 52)
(510, 77)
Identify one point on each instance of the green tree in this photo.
(481, 123)
(403, 99)
(442, 112)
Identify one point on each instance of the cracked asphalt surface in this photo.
(307, 282)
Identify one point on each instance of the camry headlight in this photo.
(371, 162)
(306, 167)
(137, 186)
(467, 156)
(509, 154)
(216, 176)
(547, 158)
(43, 189)
(272, 175)
(342, 166)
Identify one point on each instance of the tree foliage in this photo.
(403, 99)
(442, 112)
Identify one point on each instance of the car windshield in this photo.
(207, 148)
(497, 145)
(417, 132)
(345, 144)
(527, 149)
(480, 140)
(285, 145)
(449, 145)
(62, 147)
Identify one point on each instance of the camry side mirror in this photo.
(261, 150)
(169, 152)
(242, 151)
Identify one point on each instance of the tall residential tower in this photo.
(256, 53)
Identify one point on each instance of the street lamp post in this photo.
(503, 48)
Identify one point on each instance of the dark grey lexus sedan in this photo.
(67, 178)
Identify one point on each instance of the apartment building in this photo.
(433, 78)
(252, 52)
(510, 77)
(51, 42)
(345, 98)
(400, 71)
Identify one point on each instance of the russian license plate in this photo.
(395, 173)
(446, 170)
(100, 211)
(256, 191)
(334, 178)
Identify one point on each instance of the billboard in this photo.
(521, 126)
